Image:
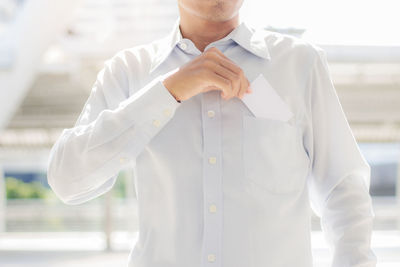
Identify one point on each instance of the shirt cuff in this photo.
(146, 110)
(150, 108)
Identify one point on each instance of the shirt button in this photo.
(167, 112)
(183, 46)
(212, 208)
(212, 160)
(211, 257)
(156, 123)
(210, 113)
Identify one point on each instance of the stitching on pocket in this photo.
(279, 154)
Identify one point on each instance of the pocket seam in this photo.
(274, 186)
(267, 120)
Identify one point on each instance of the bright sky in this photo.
(353, 22)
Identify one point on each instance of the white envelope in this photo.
(264, 102)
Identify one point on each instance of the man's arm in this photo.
(109, 133)
(340, 177)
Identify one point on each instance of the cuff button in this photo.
(167, 112)
(156, 123)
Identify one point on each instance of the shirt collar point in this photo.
(244, 35)
(252, 40)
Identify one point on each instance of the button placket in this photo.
(212, 208)
(212, 180)
(212, 160)
(211, 257)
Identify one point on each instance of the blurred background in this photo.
(50, 53)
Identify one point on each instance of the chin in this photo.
(219, 14)
(218, 17)
(212, 10)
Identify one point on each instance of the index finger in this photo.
(228, 63)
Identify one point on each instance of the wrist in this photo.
(167, 85)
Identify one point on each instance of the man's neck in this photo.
(203, 32)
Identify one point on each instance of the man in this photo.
(219, 185)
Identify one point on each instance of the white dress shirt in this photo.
(216, 185)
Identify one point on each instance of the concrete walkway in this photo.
(87, 249)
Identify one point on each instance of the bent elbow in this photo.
(74, 193)
(61, 188)
(57, 177)
(74, 176)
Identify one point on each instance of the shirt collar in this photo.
(243, 35)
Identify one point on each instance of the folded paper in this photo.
(264, 102)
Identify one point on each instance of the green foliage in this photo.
(19, 189)
(119, 186)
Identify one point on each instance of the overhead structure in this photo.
(22, 45)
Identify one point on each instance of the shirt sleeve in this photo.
(85, 160)
(339, 179)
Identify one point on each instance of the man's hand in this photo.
(211, 70)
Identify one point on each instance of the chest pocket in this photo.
(274, 158)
